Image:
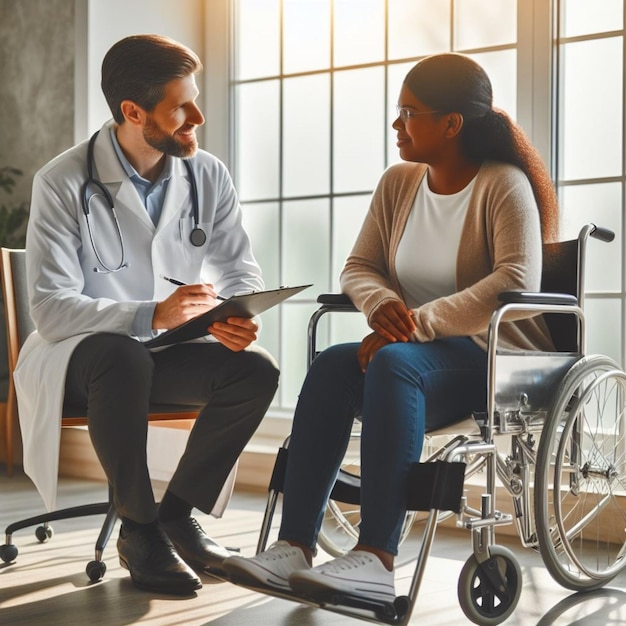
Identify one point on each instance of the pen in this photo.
(180, 283)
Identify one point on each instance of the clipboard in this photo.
(244, 305)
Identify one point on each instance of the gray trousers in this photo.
(116, 378)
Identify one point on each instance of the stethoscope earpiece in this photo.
(197, 236)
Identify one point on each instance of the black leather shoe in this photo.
(195, 546)
(153, 562)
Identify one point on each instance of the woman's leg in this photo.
(330, 398)
(410, 388)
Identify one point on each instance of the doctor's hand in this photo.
(185, 303)
(368, 348)
(236, 333)
(393, 320)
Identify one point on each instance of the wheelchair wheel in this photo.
(580, 477)
(489, 592)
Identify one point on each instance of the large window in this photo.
(314, 91)
(590, 156)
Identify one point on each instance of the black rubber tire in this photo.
(480, 602)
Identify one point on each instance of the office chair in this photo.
(18, 326)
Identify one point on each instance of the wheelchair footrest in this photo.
(387, 612)
(435, 485)
(357, 606)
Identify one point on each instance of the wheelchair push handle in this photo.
(603, 234)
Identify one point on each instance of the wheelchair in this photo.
(559, 416)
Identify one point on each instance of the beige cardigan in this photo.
(500, 250)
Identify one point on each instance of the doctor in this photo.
(104, 228)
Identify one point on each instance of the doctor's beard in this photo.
(168, 144)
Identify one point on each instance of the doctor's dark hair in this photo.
(454, 83)
(138, 67)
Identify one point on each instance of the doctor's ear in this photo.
(132, 112)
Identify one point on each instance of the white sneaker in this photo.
(270, 569)
(357, 573)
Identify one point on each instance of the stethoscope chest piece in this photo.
(197, 237)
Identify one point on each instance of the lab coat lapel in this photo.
(177, 201)
(111, 173)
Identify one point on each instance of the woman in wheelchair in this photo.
(459, 221)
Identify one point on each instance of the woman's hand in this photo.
(393, 321)
(369, 346)
(236, 333)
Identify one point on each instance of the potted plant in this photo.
(13, 216)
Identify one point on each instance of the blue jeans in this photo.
(408, 388)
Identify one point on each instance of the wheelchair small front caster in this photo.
(8, 552)
(489, 591)
(96, 570)
(43, 533)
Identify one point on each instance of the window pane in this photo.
(306, 35)
(349, 327)
(269, 337)
(359, 31)
(306, 248)
(359, 132)
(482, 23)
(262, 224)
(348, 215)
(294, 346)
(258, 38)
(306, 135)
(601, 205)
(418, 27)
(582, 17)
(604, 335)
(396, 75)
(501, 67)
(257, 152)
(592, 109)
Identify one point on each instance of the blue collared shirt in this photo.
(152, 195)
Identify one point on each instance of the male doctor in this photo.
(107, 222)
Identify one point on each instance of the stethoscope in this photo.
(197, 235)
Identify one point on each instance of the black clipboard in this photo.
(244, 305)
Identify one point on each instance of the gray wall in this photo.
(36, 84)
(36, 98)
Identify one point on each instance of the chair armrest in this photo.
(524, 297)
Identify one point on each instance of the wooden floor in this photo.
(47, 584)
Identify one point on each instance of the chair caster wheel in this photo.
(489, 592)
(96, 570)
(43, 533)
(8, 552)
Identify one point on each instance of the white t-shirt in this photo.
(426, 256)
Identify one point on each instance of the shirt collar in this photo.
(132, 173)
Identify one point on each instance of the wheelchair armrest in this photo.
(524, 297)
(334, 299)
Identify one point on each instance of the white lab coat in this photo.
(69, 300)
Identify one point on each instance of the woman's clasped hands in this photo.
(391, 321)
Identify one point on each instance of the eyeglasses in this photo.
(406, 114)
